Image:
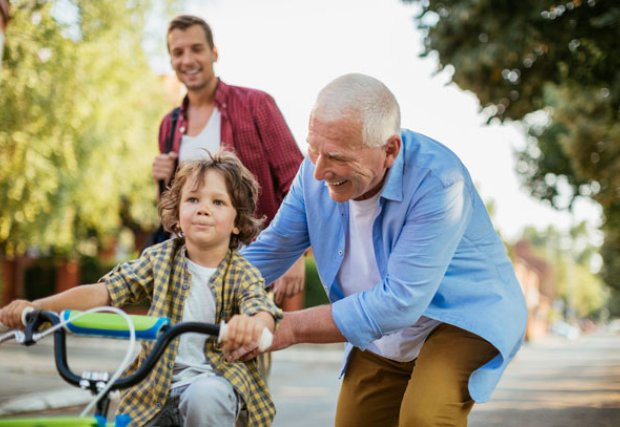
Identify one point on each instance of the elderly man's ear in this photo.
(392, 148)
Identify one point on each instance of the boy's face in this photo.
(207, 215)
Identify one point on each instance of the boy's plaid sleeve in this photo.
(129, 282)
(254, 299)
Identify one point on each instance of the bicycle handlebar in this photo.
(112, 327)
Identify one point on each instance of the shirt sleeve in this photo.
(285, 239)
(253, 299)
(129, 282)
(283, 154)
(433, 227)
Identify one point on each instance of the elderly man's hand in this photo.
(283, 337)
(291, 283)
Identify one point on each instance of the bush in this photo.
(315, 294)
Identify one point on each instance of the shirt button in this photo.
(185, 286)
(340, 252)
(158, 404)
(182, 129)
(170, 365)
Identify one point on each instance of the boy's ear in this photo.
(236, 231)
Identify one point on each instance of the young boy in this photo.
(197, 276)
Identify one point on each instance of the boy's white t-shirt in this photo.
(359, 272)
(193, 147)
(199, 307)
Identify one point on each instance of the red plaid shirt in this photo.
(253, 127)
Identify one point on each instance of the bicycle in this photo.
(101, 384)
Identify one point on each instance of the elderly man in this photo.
(420, 285)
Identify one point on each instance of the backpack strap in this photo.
(170, 142)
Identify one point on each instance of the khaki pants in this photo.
(428, 391)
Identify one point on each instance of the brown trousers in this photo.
(426, 392)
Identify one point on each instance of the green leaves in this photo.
(79, 115)
(559, 60)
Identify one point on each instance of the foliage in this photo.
(314, 291)
(79, 113)
(571, 257)
(560, 60)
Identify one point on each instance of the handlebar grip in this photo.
(25, 312)
(264, 342)
(113, 325)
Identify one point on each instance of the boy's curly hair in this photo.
(242, 189)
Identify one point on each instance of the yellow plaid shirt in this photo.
(162, 276)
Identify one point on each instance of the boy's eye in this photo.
(219, 203)
(192, 199)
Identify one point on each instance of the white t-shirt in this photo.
(359, 272)
(192, 147)
(199, 307)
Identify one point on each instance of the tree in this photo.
(571, 257)
(79, 114)
(555, 66)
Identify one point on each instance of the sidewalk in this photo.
(31, 384)
(555, 382)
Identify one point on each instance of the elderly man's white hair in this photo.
(364, 99)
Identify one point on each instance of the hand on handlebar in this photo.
(12, 315)
(245, 334)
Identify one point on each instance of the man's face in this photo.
(350, 169)
(191, 57)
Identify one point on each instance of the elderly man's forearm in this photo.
(313, 325)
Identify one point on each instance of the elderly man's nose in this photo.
(319, 168)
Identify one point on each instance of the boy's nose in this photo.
(203, 210)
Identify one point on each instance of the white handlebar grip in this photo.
(223, 329)
(264, 342)
(25, 313)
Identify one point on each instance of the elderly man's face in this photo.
(350, 169)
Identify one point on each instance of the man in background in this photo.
(214, 114)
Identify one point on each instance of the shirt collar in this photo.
(393, 187)
(221, 95)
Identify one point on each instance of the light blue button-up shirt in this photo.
(437, 252)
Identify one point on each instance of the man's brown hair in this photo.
(183, 22)
(242, 189)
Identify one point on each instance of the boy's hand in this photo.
(242, 331)
(11, 315)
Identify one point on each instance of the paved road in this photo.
(551, 383)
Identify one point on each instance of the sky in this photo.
(291, 49)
